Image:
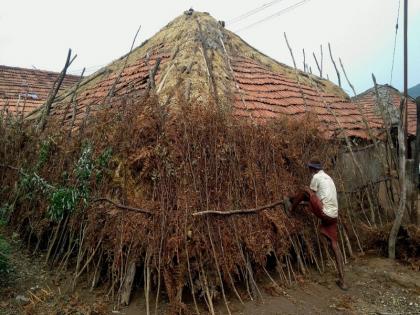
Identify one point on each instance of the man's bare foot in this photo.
(342, 285)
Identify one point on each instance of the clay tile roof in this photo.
(389, 100)
(265, 94)
(27, 89)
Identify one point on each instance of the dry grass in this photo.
(173, 163)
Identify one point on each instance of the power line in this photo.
(395, 41)
(252, 12)
(278, 13)
(88, 69)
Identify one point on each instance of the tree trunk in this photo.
(128, 284)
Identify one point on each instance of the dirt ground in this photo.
(377, 286)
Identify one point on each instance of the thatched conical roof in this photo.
(202, 58)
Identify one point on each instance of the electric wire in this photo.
(90, 69)
(395, 42)
(272, 16)
(252, 12)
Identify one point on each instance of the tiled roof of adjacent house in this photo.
(388, 106)
(26, 89)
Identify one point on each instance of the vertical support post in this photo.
(402, 142)
(406, 74)
(415, 206)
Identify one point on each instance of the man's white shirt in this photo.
(324, 187)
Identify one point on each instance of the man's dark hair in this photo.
(314, 163)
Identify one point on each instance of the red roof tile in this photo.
(133, 80)
(390, 99)
(23, 90)
(264, 94)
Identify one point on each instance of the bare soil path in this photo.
(377, 286)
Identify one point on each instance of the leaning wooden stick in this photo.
(116, 81)
(53, 93)
(335, 66)
(242, 211)
(296, 73)
(10, 167)
(123, 206)
(322, 61)
(317, 65)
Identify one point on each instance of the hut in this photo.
(192, 119)
(382, 103)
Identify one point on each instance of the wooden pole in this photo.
(54, 91)
(241, 211)
(406, 74)
(120, 206)
(403, 185)
(318, 66)
(335, 66)
(402, 144)
(152, 73)
(73, 97)
(415, 207)
(114, 84)
(296, 73)
(322, 60)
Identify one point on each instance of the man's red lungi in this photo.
(328, 225)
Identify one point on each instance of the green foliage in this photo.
(103, 159)
(4, 213)
(84, 166)
(4, 256)
(32, 184)
(74, 191)
(102, 163)
(44, 152)
(83, 171)
(62, 201)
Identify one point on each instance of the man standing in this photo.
(322, 198)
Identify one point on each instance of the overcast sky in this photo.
(361, 32)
